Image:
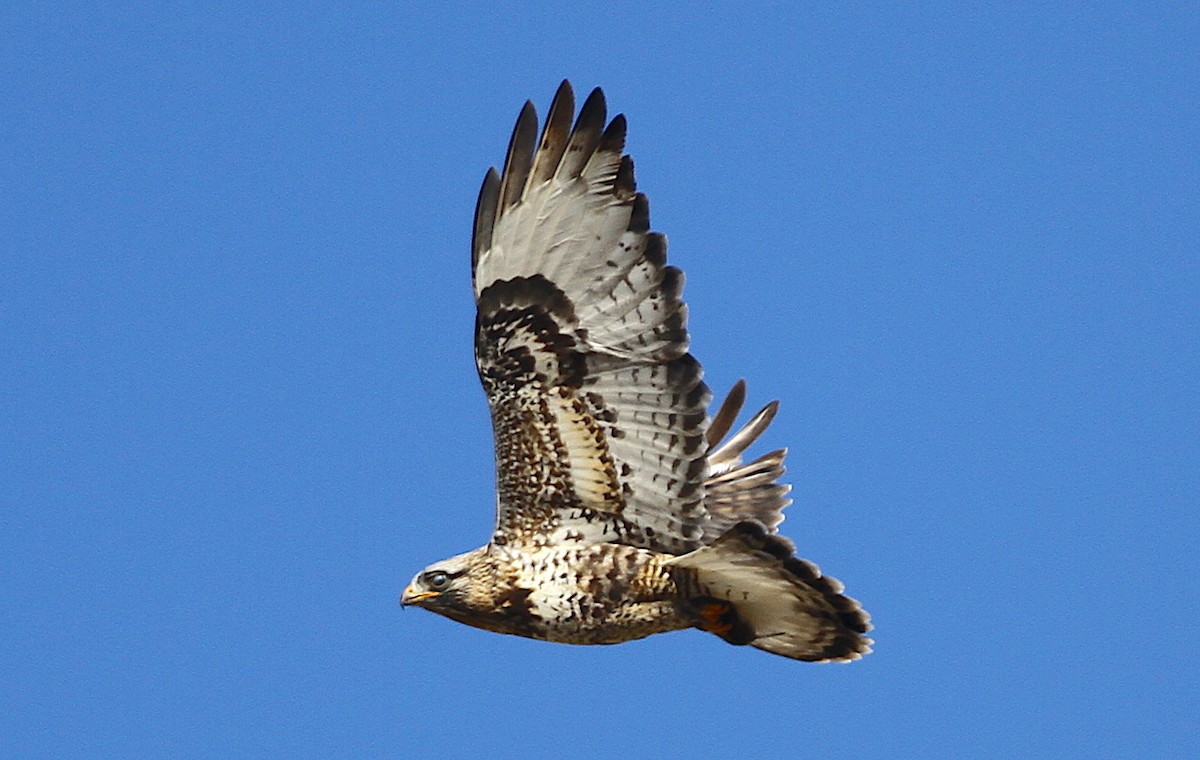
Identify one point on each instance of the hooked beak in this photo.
(411, 596)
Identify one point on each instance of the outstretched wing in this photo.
(581, 343)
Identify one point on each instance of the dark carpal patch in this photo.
(518, 320)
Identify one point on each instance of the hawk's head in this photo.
(442, 585)
(477, 588)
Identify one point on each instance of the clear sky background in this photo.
(238, 407)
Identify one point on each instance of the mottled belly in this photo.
(626, 623)
(601, 594)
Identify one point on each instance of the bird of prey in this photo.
(622, 508)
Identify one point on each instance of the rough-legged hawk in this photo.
(623, 510)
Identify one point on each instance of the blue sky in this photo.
(962, 246)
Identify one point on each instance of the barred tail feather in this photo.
(748, 587)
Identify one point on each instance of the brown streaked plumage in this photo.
(622, 509)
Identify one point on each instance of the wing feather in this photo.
(581, 344)
(518, 163)
(584, 137)
(486, 209)
(555, 135)
(598, 409)
(737, 491)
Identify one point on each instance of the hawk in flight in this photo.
(622, 508)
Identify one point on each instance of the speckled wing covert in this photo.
(581, 343)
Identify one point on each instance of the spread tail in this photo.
(748, 587)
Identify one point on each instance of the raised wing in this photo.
(737, 491)
(581, 343)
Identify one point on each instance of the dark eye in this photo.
(436, 579)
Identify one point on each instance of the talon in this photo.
(717, 618)
(713, 612)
